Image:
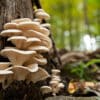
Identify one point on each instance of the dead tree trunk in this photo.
(9, 10)
(12, 9)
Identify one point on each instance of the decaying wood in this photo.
(72, 57)
(73, 98)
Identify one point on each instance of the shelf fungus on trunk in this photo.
(30, 39)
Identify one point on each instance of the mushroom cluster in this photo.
(55, 84)
(30, 40)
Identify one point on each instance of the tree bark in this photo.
(12, 9)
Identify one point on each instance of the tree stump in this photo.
(72, 98)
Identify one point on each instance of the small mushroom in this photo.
(37, 20)
(17, 57)
(40, 75)
(4, 65)
(55, 71)
(11, 32)
(54, 84)
(28, 25)
(38, 10)
(46, 89)
(42, 15)
(61, 85)
(46, 25)
(10, 26)
(21, 42)
(21, 20)
(56, 78)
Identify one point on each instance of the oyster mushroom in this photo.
(17, 57)
(28, 25)
(21, 20)
(37, 20)
(55, 71)
(21, 42)
(10, 26)
(42, 15)
(46, 89)
(44, 39)
(56, 78)
(40, 75)
(39, 48)
(61, 85)
(36, 59)
(21, 72)
(44, 31)
(11, 32)
(46, 25)
(4, 65)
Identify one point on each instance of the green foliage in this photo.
(82, 71)
(68, 22)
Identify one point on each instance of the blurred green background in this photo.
(75, 23)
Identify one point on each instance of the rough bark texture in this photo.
(12, 9)
(73, 98)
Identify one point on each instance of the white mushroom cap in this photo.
(4, 74)
(17, 57)
(37, 20)
(61, 85)
(44, 31)
(46, 25)
(46, 89)
(4, 65)
(33, 33)
(10, 26)
(38, 10)
(56, 78)
(11, 32)
(42, 15)
(33, 67)
(28, 25)
(21, 20)
(54, 83)
(21, 42)
(36, 59)
(40, 75)
(38, 48)
(55, 71)
(41, 61)
(20, 72)
(45, 43)
(44, 39)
